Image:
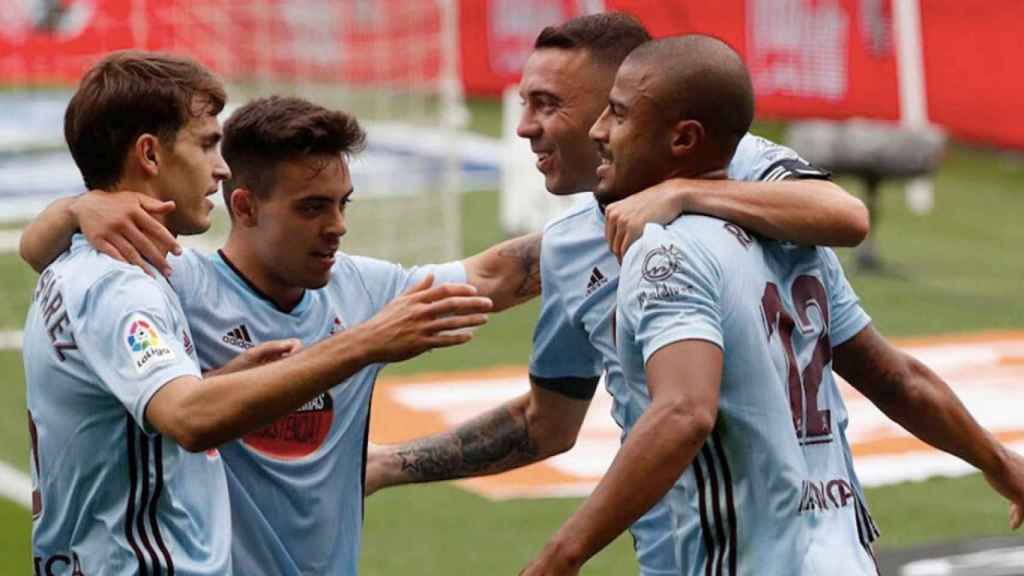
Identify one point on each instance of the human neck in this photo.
(146, 188)
(699, 171)
(245, 261)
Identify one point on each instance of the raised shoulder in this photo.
(381, 281)
(87, 275)
(566, 222)
(371, 277)
(190, 273)
(723, 240)
(759, 159)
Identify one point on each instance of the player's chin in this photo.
(316, 277)
(196, 223)
(560, 184)
(552, 183)
(604, 190)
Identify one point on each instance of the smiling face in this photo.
(190, 170)
(563, 93)
(633, 138)
(297, 227)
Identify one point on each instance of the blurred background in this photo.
(911, 103)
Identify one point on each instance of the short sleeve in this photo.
(669, 291)
(848, 318)
(130, 338)
(563, 359)
(760, 159)
(385, 281)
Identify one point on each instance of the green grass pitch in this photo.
(958, 270)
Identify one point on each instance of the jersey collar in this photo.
(255, 290)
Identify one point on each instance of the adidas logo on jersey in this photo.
(597, 279)
(239, 337)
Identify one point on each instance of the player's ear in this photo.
(243, 207)
(147, 153)
(687, 136)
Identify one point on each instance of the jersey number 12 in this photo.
(812, 424)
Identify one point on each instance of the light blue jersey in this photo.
(111, 496)
(297, 485)
(770, 492)
(572, 343)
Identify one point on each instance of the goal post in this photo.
(392, 63)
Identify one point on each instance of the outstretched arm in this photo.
(508, 273)
(122, 225)
(684, 381)
(204, 413)
(808, 211)
(530, 428)
(919, 400)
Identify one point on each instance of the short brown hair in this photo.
(268, 131)
(130, 93)
(608, 37)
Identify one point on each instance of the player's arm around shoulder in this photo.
(123, 225)
(509, 272)
(770, 190)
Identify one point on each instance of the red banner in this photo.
(972, 63)
(47, 42)
(808, 58)
(823, 58)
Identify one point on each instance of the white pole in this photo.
(453, 118)
(919, 192)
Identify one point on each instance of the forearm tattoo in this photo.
(494, 442)
(527, 251)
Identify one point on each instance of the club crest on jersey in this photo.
(296, 435)
(145, 345)
(661, 263)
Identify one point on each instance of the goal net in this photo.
(393, 63)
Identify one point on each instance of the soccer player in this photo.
(127, 478)
(296, 485)
(727, 340)
(772, 191)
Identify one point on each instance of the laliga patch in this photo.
(147, 347)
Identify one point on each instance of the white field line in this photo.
(10, 340)
(9, 241)
(204, 243)
(15, 485)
